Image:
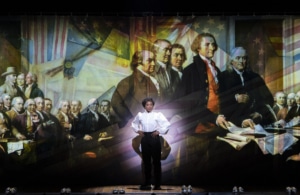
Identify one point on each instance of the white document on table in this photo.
(14, 146)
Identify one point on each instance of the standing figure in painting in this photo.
(178, 57)
(32, 90)
(21, 81)
(149, 125)
(76, 107)
(126, 99)
(10, 86)
(280, 104)
(200, 81)
(162, 70)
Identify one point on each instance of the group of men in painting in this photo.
(27, 115)
(156, 73)
(237, 94)
(201, 91)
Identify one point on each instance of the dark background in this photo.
(141, 8)
(150, 7)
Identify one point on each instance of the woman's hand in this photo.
(155, 133)
(141, 133)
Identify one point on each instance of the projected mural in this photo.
(71, 86)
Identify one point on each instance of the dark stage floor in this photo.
(134, 189)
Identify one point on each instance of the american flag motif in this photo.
(276, 144)
(44, 38)
(291, 36)
(183, 30)
(87, 36)
(291, 53)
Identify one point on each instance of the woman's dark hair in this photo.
(147, 99)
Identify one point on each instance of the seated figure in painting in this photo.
(105, 110)
(28, 126)
(243, 93)
(76, 107)
(292, 117)
(17, 107)
(290, 103)
(280, 106)
(92, 126)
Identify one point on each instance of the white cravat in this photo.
(178, 71)
(95, 114)
(21, 87)
(241, 75)
(279, 106)
(154, 81)
(41, 115)
(242, 78)
(65, 117)
(28, 91)
(164, 67)
(105, 115)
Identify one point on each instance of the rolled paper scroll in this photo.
(236, 144)
(237, 137)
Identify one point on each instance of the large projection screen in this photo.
(85, 57)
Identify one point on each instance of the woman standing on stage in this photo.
(149, 125)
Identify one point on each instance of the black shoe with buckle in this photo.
(157, 188)
(145, 187)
